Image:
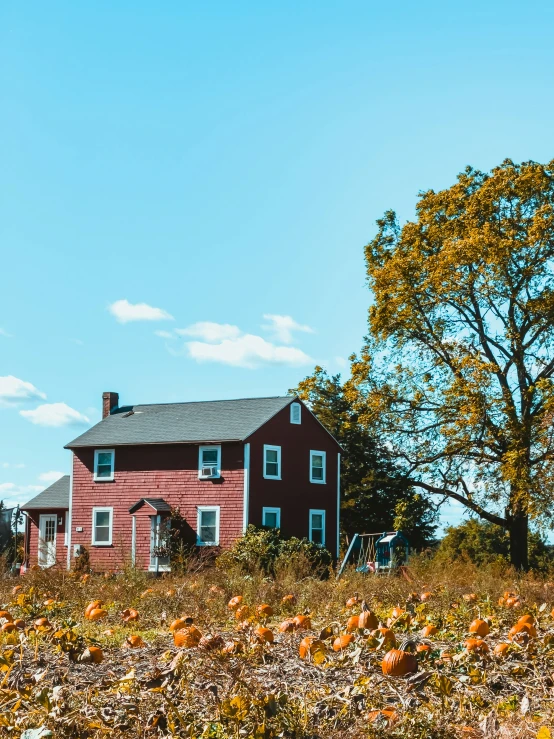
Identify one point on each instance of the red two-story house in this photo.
(224, 464)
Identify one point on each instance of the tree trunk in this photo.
(519, 532)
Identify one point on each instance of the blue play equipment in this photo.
(376, 553)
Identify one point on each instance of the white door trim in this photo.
(47, 550)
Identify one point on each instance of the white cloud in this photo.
(51, 476)
(125, 312)
(13, 494)
(210, 332)
(247, 351)
(54, 414)
(4, 333)
(13, 390)
(282, 327)
(17, 466)
(164, 334)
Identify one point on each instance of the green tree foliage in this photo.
(457, 373)
(484, 542)
(374, 496)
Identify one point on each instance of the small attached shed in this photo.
(46, 526)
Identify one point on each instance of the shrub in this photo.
(266, 550)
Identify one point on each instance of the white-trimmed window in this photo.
(207, 528)
(104, 464)
(295, 413)
(272, 462)
(271, 517)
(102, 523)
(317, 527)
(317, 467)
(209, 462)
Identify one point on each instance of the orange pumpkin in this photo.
(170, 593)
(187, 638)
(16, 589)
(288, 600)
(129, 615)
(512, 602)
(264, 634)
(352, 624)
(135, 641)
(42, 623)
(91, 606)
(527, 619)
(97, 655)
(522, 631)
(147, 592)
(479, 627)
(235, 602)
(387, 635)
(397, 662)
(287, 626)
(242, 612)
(501, 649)
(341, 642)
(49, 602)
(476, 645)
(264, 610)
(367, 619)
(9, 626)
(180, 623)
(6, 615)
(353, 601)
(19, 623)
(424, 597)
(429, 630)
(216, 590)
(423, 648)
(309, 646)
(97, 614)
(108, 632)
(470, 597)
(302, 622)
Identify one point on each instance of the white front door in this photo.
(47, 526)
(159, 559)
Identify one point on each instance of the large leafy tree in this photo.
(374, 496)
(457, 370)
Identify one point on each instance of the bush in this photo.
(266, 550)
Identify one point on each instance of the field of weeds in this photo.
(270, 665)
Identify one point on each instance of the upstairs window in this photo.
(271, 517)
(104, 462)
(317, 467)
(317, 527)
(102, 526)
(209, 462)
(272, 462)
(207, 528)
(295, 413)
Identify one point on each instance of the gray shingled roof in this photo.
(56, 496)
(158, 504)
(167, 423)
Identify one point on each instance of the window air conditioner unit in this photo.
(209, 472)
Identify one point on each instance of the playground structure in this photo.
(378, 554)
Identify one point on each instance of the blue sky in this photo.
(224, 163)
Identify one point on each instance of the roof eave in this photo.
(151, 443)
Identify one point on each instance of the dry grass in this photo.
(267, 691)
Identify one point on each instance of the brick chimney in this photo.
(109, 402)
